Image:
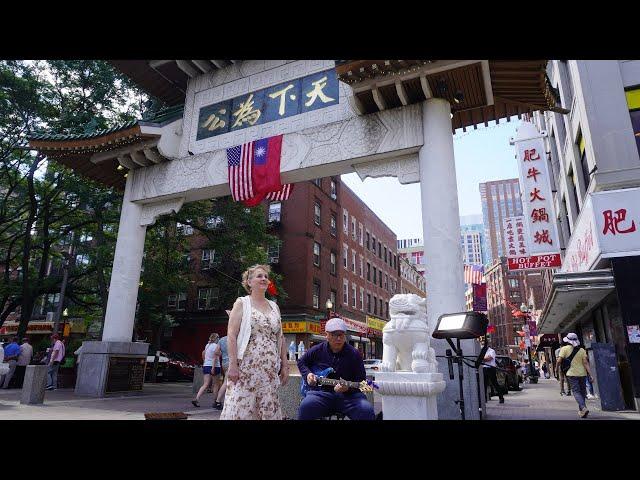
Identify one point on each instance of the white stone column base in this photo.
(409, 395)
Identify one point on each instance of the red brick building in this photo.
(333, 247)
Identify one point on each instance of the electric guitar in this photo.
(364, 386)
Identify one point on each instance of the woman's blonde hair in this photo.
(213, 338)
(250, 272)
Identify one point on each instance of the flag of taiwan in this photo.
(265, 171)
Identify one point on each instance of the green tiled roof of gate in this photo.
(159, 117)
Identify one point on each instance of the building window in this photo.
(316, 254)
(208, 298)
(353, 261)
(208, 259)
(584, 163)
(368, 272)
(334, 222)
(345, 221)
(275, 210)
(316, 213)
(633, 102)
(345, 292)
(366, 244)
(316, 294)
(353, 228)
(362, 299)
(318, 182)
(345, 254)
(381, 312)
(214, 222)
(333, 263)
(375, 305)
(373, 244)
(385, 255)
(361, 267)
(177, 301)
(386, 282)
(379, 250)
(334, 191)
(354, 297)
(375, 275)
(360, 235)
(369, 302)
(380, 278)
(274, 253)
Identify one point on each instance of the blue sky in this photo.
(481, 155)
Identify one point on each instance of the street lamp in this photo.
(533, 374)
(329, 305)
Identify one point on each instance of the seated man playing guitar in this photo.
(342, 394)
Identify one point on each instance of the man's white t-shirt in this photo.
(209, 350)
(490, 353)
(26, 352)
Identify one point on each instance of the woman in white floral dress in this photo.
(257, 357)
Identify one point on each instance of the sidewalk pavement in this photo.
(542, 401)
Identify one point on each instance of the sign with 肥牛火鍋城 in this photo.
(539, 229)
(301, 95)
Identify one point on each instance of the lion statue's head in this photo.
(407, 304)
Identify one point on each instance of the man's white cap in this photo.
(572, 338)
(335, 324)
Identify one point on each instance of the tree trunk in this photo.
(27, 292)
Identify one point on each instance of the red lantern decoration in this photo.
(491, 329)
(271, 289)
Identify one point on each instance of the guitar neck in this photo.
(333, 382)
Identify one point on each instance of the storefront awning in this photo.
(572, 296)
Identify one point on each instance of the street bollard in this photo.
(198, 379)
(35, 380)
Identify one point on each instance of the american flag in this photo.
(282, 194)
(473, 274)
(239, 160)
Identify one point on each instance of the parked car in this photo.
(372, 365)
(179, 367)
(511, 375)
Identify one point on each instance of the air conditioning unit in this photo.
(49, 316)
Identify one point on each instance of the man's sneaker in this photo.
(217, 406)
(195, 403)
(562, 394)
(583, 413)
(590, 397)
(502, 400)
(49, 388)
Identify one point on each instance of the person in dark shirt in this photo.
(347, 363)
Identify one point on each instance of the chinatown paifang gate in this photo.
(375, 117)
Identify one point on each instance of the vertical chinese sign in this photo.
(539, 227)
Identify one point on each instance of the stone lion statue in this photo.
(407, 335)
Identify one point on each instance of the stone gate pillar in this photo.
(116, 363)
(442, 252)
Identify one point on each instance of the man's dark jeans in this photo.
(318, 404)
(492, 379)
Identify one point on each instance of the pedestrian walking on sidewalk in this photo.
(57, 355)
(574, 363)
(490, 377)
(210, 356)
(225, 368)
(562, 378)
(26, 354)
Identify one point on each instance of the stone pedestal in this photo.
(94, 368)
(35, 379)
(198, 380)
(290, 397)
(409, 395)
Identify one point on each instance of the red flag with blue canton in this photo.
(254, 171)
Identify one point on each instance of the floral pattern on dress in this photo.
(254, 396)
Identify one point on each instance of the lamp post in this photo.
(329, 305)
(533, 374)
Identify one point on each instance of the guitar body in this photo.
(304, 386)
